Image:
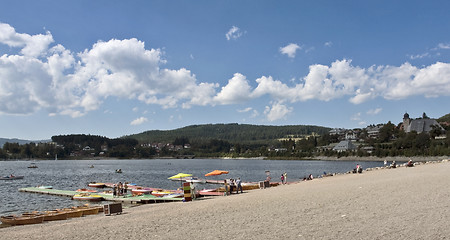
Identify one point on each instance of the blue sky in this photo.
(114, 68)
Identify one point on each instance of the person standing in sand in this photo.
(225, 184)
(285, 177)
(282, 178)
(239, 185)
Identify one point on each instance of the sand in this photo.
(401, 203)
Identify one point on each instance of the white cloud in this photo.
(32, 46)
(139, 121)
(290, 49)
(233, 33)
(328, 44)
(236, 91)
(39, 75)
(444, 45)
(73, 84)
(245, 110)
(277, 111)
(374, 111)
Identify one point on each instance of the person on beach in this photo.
(232, 185)
(225, 184)
(282, 178)
(125, 188)
(239, 185)
(114, 190)
(285, 177)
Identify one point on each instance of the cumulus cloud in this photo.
(277, 111)
(236, 91)
(139, 121)
(234, 33)
(43, 75)
(328, 44)
(290, 49)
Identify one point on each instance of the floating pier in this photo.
(142, 199)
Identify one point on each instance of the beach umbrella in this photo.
(216, 173)
(180, 176)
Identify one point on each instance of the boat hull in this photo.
(21, 220)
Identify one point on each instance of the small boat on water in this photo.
(45, 187)
(33, 165)
(119, 170)
(11, 177)
(97, 185)
(22, 220)
(87, 197)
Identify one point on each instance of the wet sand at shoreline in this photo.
(401, 203)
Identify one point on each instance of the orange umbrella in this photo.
(216, 172)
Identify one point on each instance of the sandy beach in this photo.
(401, 203)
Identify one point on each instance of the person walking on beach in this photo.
(285, 177)
(239, 185)
(282, 178)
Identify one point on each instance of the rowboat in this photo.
(45, 187)
(11, 177)
(96, 185)
(22, 220)
(71, 213)
(141, 191)
(87, 210)
(161, 193)
(85, 190)
(87, 197)
(55, 215)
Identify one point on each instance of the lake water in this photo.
(75, 174)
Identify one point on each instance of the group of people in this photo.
(233, 184)
(120, 189)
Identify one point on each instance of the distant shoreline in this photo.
(320, 158)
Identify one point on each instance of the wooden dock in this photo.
(143, 199)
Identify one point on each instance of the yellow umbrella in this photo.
(180, 175)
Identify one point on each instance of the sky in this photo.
(114, 68)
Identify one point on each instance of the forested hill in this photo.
(233, 133)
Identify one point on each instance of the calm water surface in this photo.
(75, 174)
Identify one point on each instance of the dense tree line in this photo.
(391, 142)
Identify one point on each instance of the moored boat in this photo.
(96, 185)
(71, 213)
(141, 191)
(87, 210)
(33, 165)
(22, 220)
(85, 190)
(55, 215)
(161, 193)
(11, 177)
(87, 197)
(45, 187)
